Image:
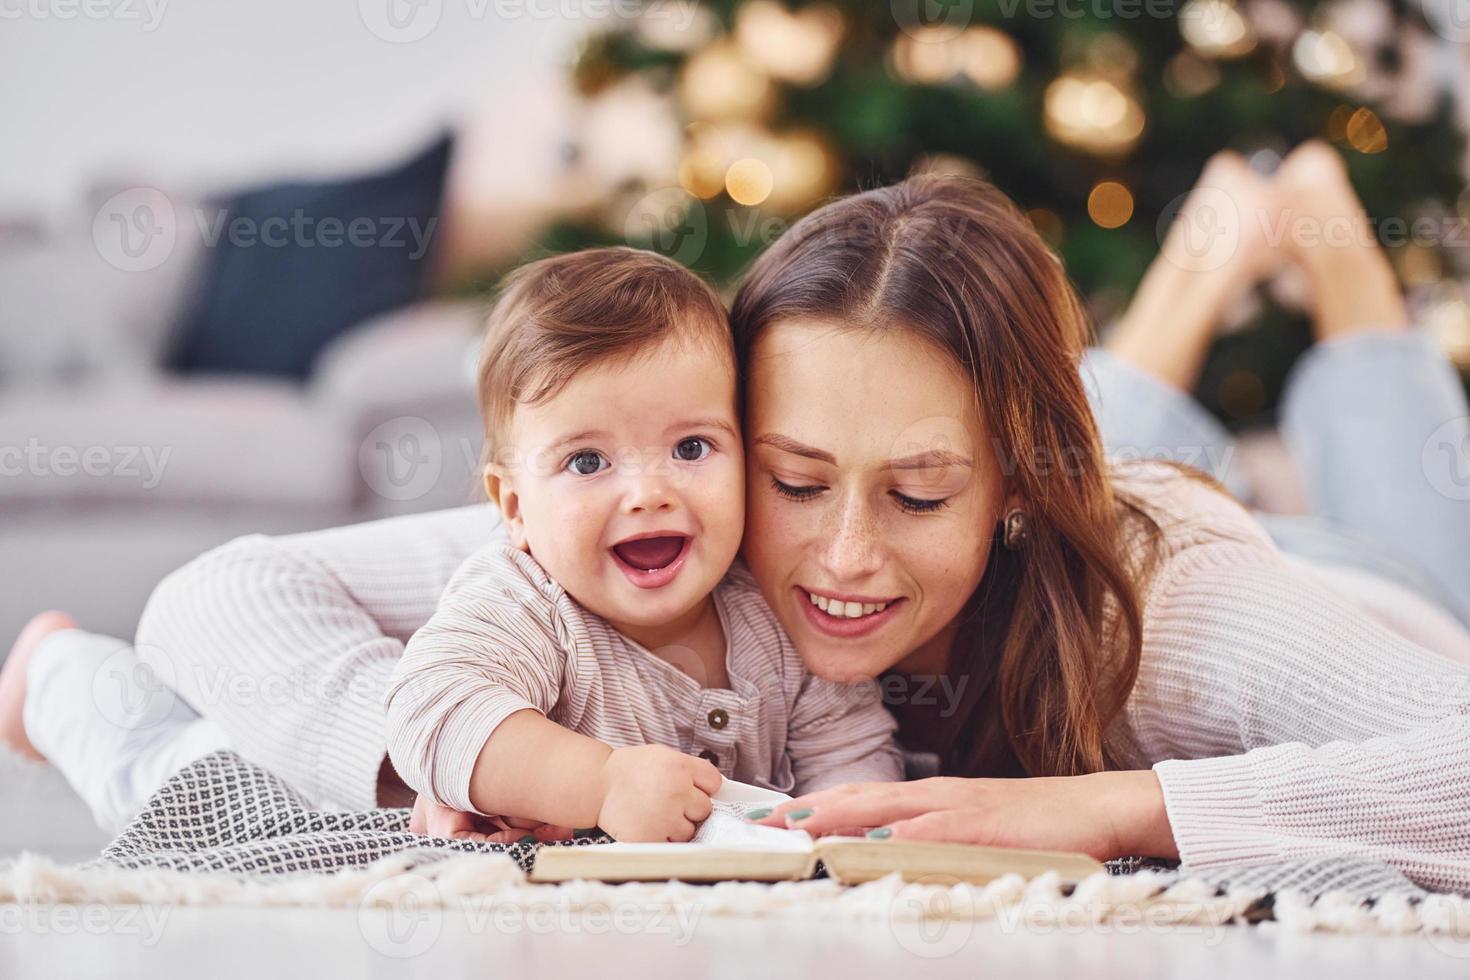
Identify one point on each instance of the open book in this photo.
(729, 848)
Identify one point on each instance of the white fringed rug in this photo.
(225, 832)
(430, 879)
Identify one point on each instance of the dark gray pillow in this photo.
(290, 266)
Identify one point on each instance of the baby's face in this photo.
(628, 485)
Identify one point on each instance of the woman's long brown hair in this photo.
(1051, 639)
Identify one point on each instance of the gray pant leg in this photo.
(1141, 417)
(1379, 427)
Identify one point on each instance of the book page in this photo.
(728, 830)
(734, 791)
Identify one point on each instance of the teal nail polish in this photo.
(880, 833)
(760, 814)
(528, 839)
(801, 814)
(578, 834)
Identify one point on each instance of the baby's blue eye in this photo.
(586, 463)
(693, 449)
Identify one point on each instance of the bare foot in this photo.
(13, 680)
(1324, 229)
(1214, 251)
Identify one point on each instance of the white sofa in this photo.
(113, 472)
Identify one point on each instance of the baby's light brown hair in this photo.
(564, 314)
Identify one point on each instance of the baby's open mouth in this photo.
(648, 554)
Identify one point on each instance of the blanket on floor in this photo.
(222, 817)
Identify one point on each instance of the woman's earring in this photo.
(1015, 530)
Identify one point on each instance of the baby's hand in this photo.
(655, 793)
(434, 820)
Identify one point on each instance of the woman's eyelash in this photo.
(917, 505)
(794, 493)
(912, 505)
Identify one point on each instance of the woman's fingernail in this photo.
(585, 832)
(801, 814)
(880, 833)
(528, 839)
(759, 814)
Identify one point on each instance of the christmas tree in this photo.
(1094, 115)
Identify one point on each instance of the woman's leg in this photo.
(1139, 385)
(1140, 417)
(1374, 414)
(1215, 252)
(92, 709)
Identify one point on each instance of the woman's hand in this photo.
(1104, 815)
(433, 820)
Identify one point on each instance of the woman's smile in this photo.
(846, 619)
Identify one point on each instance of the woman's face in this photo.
(872, 493)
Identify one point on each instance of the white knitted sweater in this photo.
(1282, 720)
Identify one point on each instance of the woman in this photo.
(1142, 650)
(1130, 641)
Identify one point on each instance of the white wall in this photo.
(204, 93)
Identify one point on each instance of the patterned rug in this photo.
(224, 831)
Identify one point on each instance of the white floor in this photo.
(219, 944)
(39, 813)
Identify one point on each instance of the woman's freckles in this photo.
(899, 510)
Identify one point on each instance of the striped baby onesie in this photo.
(506, 637)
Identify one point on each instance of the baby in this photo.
(604, 664)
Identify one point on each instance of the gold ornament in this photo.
(630, 134)
(748, 181)
(801, 164)
(1216, 29)
(1093, 114)
(719, 83)
(985, 56)
(794, 46)
(1365, 132)
(802, 170)
(1110, 204)
(988, 57)
(702, 174)
(676, 25)
(923, 56)
(1325, 57)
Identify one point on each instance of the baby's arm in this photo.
(467, 721)
(841, 733)
(535, 768)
